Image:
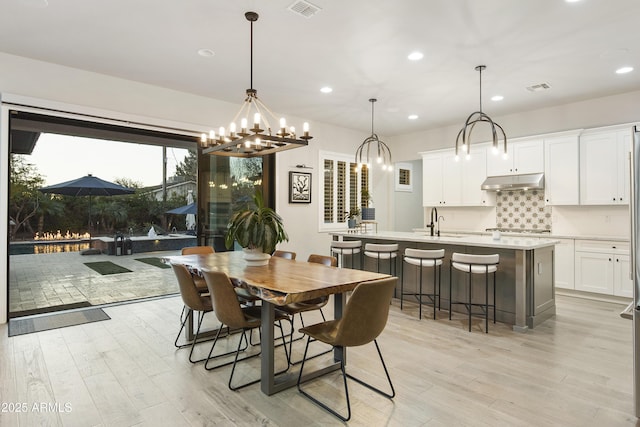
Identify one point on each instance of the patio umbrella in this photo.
(191, 218)
(87, 186)
(190, 209)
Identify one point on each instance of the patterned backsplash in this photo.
(520, 209)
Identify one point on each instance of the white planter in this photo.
(255, 257)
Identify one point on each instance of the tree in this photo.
(24, 183)
(188, 167)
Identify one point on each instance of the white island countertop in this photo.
(505, 242)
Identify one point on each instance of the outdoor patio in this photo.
(46, 280)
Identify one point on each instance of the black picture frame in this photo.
(299, 187)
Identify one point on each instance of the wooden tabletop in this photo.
(282, 281)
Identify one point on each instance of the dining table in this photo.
(280, 282)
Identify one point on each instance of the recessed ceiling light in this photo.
(415, 56)
(572, 1)
(412, 117)
(624, 70)
(207, 53)
(35, 3)
(497, 98)
(326, 89)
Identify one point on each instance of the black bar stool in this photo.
(475, 264)
(422, 258)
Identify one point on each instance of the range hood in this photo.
(530, 181)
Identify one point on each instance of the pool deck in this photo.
(47, 280)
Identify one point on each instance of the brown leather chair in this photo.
(309, 305)
(199, 250)
(194, 301)
(231, 314)
(284, 254)
(365, 317)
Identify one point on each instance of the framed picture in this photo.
(299, 187)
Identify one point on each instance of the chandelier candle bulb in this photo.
(243, 125)
(256, 120)
(203, 140)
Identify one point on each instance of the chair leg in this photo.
(486, 302)
(450, 294)
(291, 340)
(469, 307)
(402, 283)
(494, 297)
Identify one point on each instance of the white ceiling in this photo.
(358, 47)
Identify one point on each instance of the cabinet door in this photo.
(452, 179)
(594, 272)
(624, 166)
(622, 283)
(528, 157)
(561, 171)
(598, 169)
(564, 264)
(497, 165)
(432, 179)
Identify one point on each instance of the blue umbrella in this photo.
(190, 209)
(87, 186)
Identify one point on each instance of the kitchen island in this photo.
(525, 289)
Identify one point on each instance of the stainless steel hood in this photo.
(530, 181)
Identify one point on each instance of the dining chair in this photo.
(198, 250)
(230, 313)
(193, 301)
(309, 305)
(365, 317)
(284, 254)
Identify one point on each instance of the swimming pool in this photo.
(48, 247)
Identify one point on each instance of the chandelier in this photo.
(463, 140)
(260, 139)
(373, 146)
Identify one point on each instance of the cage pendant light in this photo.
(373, 146)
(463, 140)
(260, 139)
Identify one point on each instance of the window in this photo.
(404, 180)
(341, 187)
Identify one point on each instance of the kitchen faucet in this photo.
(431, 225)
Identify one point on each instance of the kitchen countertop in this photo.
(532, 235)
(527, 242)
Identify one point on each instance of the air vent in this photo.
(539, 87)
(304, 8)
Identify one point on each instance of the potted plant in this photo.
(257, 230)
(368, 214)
(352, 217)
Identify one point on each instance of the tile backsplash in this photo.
(522, 209)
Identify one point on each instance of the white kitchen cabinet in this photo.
(604, 167)
(561, 170)
(447, 182)
(564, 264)
(602, 267)
(523, 157)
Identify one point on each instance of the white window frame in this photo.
(339, 223)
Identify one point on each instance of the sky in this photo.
(61, 158)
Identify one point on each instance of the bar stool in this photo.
(423, 258)
(379, 251)
(348, 247)
(475, 264)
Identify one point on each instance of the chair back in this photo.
(366, 313)
(424, 253)
(285, 254)
(198, 250)
(475, 259)
(225, 301)
(188, 291)
(329, 261)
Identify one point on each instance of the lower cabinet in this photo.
(602, 267)
(564, 264)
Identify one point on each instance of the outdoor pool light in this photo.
(373, 147)
(463, 140)
(255, 136)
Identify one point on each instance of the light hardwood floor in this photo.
(573, 370)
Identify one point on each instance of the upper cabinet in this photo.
(604, 167)
(561, 170)
(524, 157)
(447, 182)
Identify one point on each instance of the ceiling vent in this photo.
(539, 87)
(304, 8)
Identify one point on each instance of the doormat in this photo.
(55, 321)
(106, 267)
(50, 309)
(155, 261)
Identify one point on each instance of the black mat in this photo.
(33, 311)
(155, 261)
(107, 267)
(54, 321)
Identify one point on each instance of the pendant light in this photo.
(463, 140)
(373, 146)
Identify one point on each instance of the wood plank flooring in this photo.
(573, 370)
